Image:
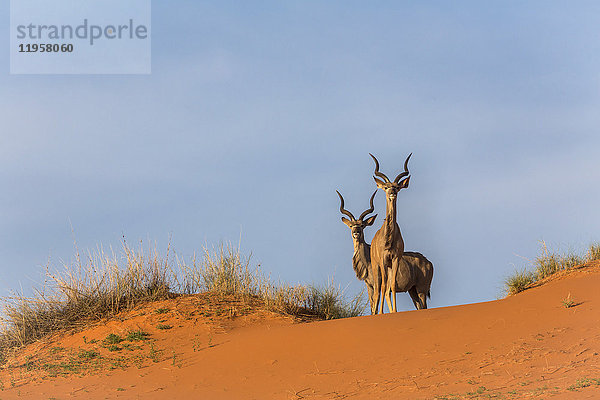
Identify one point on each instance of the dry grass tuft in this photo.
(223, 271)
(100, 286)
(519, 281)
(568, 302)
(329, 302)
(547, 264)
(103, 285)
(593, 252)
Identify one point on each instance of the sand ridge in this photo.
(524, 346)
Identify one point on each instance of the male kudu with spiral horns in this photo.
(387, 246)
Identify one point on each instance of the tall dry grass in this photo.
(102, 284)
(96, 286)
(224, 271)
(593, 252)
(547, 264)
(519, 281)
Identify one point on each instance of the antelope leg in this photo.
(376, 289)
(423, 298)
(415, 297)
(392, 283)
(385, 289)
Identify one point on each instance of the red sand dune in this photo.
(524, 346)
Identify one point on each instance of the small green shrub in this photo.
(568, 301)
(154, 354)
(112, 339)
(161, 310)
(478, 391)
(135, 336)
(583, 383)
(163, 326)
(87, 354)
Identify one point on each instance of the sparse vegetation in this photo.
(593, 252)
(568, 301)
(87, 354)
(94, 287)
(130, 347)
(224, 271)
(164, 326)
(71, 363)
(112, 339)
(100, 285)
(154, 353)
(114, 347)
(583, 383)
(136, 336)
(519, 281)
(328, 302)
(56, 350)
(478, 391)
(547, 264)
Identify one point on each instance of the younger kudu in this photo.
(361, 261)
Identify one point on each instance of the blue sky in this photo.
(255, 114)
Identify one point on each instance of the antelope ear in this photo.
(380, 183)
(404, 183)
(346, 221)
(370, 220)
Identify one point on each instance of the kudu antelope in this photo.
(387, 246)
(361, 260)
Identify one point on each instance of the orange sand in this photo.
(524, 346)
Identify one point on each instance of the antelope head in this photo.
(391, 188)
(357, 225)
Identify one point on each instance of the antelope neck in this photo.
(361, 260)
(390, 217)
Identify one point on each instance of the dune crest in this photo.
(529, 344)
